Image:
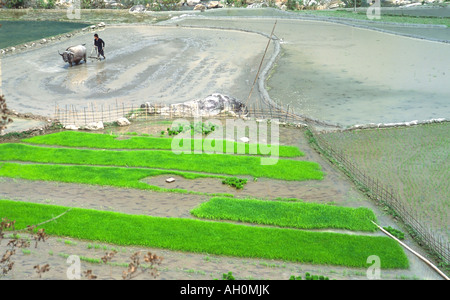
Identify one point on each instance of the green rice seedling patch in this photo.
(109, 141)
(208, 237)
(238, 183)
(209, 163)
(287, 214)
(105, 176)
(395, 232)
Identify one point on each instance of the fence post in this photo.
(287, 111)
(93, 114)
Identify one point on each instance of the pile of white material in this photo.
(213, 105)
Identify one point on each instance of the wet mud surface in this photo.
(334, 189)
(143, 64)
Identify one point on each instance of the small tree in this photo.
(4, 119)
(351, 3)
(15, 3)
(291, 4)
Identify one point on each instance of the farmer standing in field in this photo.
(100, 44)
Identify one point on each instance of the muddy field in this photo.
(143, 64)
(328, 71)
(335, 188)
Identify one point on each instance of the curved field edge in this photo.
(103, 176)
(208, 237)
(109, 141)
(287, 214)
(284, 169)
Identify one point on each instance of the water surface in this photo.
(18, 32)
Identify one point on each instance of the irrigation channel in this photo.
(113, 91)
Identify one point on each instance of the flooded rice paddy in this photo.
(18, 32)
(332, 72)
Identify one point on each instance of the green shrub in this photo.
(198, 127)
(397, 233)
(291, 4)
(308, 276)
(15, 3)
(238, 183)
(228, 276)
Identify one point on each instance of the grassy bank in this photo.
(209, 163)
(208, 237)
(109, 141)
(287, 214)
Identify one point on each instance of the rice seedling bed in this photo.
(285, 169)
(208, 237)
(109, 141)
(414, 161)
(287, 214)
(105, 176)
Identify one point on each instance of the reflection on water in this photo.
(346, 75)
(19, 32)
(326, 71)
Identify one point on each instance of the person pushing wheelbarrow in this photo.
(100, 45)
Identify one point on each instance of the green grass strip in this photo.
(107, 141)
(210, 163)
(287, 214)
(104, 176)
(387, 17)
(208, 237)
